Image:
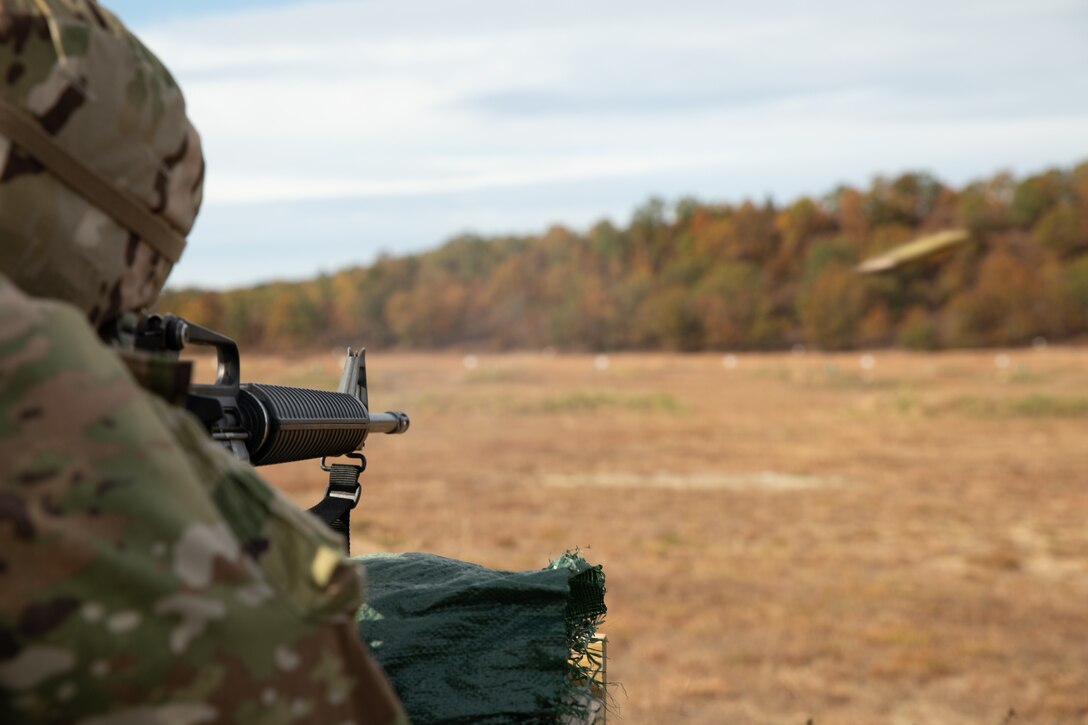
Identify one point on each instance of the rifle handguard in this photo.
(294, 424)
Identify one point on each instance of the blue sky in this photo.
(140, 13)
(338, 130)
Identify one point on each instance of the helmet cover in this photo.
(106, 100)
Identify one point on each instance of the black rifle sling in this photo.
(340, 498)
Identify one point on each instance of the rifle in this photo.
(264, 424)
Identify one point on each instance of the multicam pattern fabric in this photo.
(108, 101)
(145, 574)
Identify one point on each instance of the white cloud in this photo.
(383, 99)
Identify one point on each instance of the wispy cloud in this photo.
(439, 100)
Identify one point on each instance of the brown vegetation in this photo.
(890, 540)
(704, 276)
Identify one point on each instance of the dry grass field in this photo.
(786, 537)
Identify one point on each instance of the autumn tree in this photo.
(293, 318)
(695, 275)
(1034, 196)
(1060, 230)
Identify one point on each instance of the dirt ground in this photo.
(848, 538)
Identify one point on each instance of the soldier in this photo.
(145, 574)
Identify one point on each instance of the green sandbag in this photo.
(465, 644)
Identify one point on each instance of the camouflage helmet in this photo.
(101, 173)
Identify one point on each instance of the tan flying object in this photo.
(914, 251)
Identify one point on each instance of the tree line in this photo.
(695, 275)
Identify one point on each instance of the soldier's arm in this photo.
(144, 573)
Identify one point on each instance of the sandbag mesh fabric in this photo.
(462, 643)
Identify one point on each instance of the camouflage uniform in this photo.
(145, 574)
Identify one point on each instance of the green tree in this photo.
(908, 199)
(1034, 196)
(983, 206)
(671, 319)
(825, 254)
(918, 330)
(729, 302)
(1061, 230)
(294, 320)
